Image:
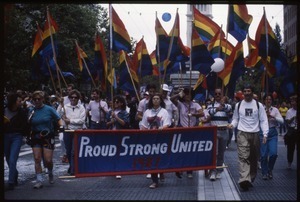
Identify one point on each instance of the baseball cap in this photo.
(165, 87)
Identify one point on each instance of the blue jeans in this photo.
(69, 145)
(268, 151)
(12, 147)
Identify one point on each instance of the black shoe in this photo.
(249, 184)
(9, 186)
(270, 175)
(244, 185)
(16, 179)
(178, 174)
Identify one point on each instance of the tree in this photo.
(75, 21)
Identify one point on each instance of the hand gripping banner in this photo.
(129, 152)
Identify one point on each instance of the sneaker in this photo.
(218, 175)
(9, 186)
(51, 178)
(190, 176)
(38, 185)
(118, 177)
(264, 177)
(270, 175)
(153, 186)
(212, 176)
(148, 176)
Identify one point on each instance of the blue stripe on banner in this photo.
(127, 152)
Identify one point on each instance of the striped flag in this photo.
(100, 61)
(238, 21)
(205, 27)
(141, 60)
(201, 58)
(269, 48)
(120, 36)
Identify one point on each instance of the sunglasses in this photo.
(217, 93)
(36, 99)
(117, 102)
(73, 97)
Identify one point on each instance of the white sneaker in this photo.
(38, 185)
(212, 176)
(218, 175)
(118, 177)
(148, 176)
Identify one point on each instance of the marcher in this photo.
(98, 109)
(41, 119)
(118, 117)
(15, 127)
(170, 107)
(218, 112)
(268, 151)
(143, 106)
(249, 117)
(189, 113)
(290, 138)
(155, 117)
(283, 127)
(74, 118)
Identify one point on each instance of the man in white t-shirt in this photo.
(249, 117)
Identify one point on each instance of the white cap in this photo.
(146, 93)
(52, 96)
(165, 87)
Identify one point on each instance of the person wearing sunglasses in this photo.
(219, 116)
(74, 119)
(41, 119)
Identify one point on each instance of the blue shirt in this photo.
(43, 118)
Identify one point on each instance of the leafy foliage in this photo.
(75, 21)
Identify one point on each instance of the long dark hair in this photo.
(12, 99)
(162, 103)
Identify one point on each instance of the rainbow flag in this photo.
(100, 61)
(238, 21)
(120, 36)
(205, 26)
(269, 48)
(141, 60)
(201, 58)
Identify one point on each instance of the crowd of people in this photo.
(39, 117)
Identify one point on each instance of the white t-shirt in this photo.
(162, 118)
(249, 118)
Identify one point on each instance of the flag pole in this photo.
(53, 50)
(170, 46)
(130, 76)
(110, 51)
(267, 53)
(190, 87)
(158, 54)
(87, 68)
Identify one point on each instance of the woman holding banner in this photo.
(118, 117)
(74, 118)
(155, 117)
